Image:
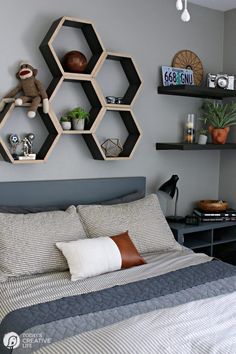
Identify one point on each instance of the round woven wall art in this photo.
(186, 59)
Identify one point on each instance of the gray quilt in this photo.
(70, 316)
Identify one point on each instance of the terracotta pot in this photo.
(218, 135)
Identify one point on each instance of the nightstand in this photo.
(217, 239)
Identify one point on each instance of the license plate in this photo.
(176, 76)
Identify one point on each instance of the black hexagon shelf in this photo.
(131, 71)
(92, 90)
(134, 135)
(93, 94)
(51, 124)
(91, 37)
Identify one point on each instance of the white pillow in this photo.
(147, 226)
(91, 257)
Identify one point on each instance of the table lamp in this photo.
(170, 188)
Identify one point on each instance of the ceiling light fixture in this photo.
(185, 17)
(179, 5)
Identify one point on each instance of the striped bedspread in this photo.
(186, 310)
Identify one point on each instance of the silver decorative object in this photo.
(14, 141)
(31, 138)
(114, 100)
(27, 148)
(223, 81)
(112, 147)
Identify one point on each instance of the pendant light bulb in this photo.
(185, 17)
(179, 5)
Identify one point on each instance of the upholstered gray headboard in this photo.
(67, 192)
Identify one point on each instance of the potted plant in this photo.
(202, 136)
(78, 116)
(65, 123)
(219, 117)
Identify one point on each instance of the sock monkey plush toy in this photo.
(33, 91)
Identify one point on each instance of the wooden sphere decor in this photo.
(213, 205)
(186, 59)
(75, 62)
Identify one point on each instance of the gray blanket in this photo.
(73, 315)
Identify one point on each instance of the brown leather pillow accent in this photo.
(129, 254)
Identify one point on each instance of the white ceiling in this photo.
(222, 5)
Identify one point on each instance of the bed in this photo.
(177, 302)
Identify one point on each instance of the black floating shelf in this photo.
(186, 146)
(196, 91)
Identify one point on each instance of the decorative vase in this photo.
(189, 131)
(219, 135)
(66, 125)
(78, 124)
(202, 139)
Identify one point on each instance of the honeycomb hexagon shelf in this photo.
(131, 71)
(93, 94)
(91, 37)
(134, 135)
(51, 124)
(92, 90)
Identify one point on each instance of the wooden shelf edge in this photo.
(196, 91)
(76, 132)
(23, 162)
(196, 147)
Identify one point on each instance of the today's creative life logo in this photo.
(11, 340)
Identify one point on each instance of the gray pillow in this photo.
(27, 242)
(143, 219)
(131, 197)
(26, 210)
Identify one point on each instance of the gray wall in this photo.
(152, 32)
(227, 183)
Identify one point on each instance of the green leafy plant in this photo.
(218, 115)
(202, 132)
(78, 113)
(64, 119)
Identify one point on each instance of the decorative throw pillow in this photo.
(27, 242)
(90, 257)
(148, 228)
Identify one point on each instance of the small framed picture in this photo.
(175, 76)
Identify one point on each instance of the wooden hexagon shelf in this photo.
(91, 37)
(131, 71)
(92, 91)
(134, 135)
(93, 94)
(52, 126)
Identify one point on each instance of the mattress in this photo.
(176, 303)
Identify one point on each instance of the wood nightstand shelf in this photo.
(212, 238)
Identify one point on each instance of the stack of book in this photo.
(227, 215)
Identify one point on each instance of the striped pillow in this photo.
(27, 242)
(88, 258)
(143, 218)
